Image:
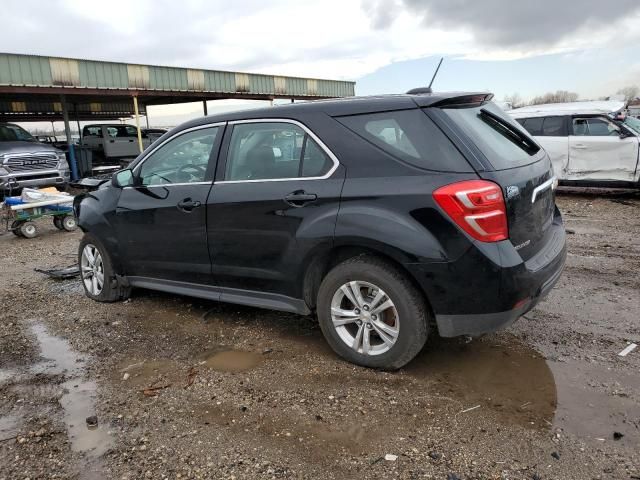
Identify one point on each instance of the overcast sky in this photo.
(588, 46)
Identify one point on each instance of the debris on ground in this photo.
(65, 273)
(191, 376)
(389, 457)
(92, 421)
(153, 391)
(628, 349)
(618, 435)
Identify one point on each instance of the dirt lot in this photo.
(183, 388)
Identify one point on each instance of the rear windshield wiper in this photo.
(507, 130)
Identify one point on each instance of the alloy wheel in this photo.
(365, 318)
(92, 269)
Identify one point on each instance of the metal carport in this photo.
(38, 88)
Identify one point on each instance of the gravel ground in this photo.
(183, 388)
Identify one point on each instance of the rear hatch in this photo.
(507, 155)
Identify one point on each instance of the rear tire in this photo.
(15, 227)
(371, 314)
(57, 222)
(96, 272)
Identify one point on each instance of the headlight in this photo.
(62, 161)
(3, 171)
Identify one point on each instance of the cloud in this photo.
(508, 24)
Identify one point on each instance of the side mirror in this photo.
(624, 133)
(123, 178)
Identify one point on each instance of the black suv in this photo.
(383, 215)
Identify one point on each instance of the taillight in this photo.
(477, 206)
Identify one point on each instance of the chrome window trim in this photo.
(169, 185)
(541, 188)
(307, 130)
(172, 137)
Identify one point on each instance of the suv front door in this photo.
(275, 199)
(598, 152)
(161, 218)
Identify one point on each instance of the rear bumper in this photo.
(469, 324)
(490, 287)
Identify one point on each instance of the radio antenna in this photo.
(435, 73)
(426, 90)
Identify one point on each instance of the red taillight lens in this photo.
(477, 206)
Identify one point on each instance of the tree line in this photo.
(630, 93)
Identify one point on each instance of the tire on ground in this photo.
(410, 304)
(112, 291)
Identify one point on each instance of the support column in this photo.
(67, 130)
(75, 111)
(204, 108)
(135, 109)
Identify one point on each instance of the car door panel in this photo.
(257, 239)
(600, 157)
(162, 240)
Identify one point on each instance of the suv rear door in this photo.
(275, 199)
(598, 152)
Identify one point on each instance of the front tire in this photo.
(97, 273)
(371, 314)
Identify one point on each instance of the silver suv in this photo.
(25, 162)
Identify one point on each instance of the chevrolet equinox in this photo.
(383, 215)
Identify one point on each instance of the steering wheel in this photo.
(183, 174)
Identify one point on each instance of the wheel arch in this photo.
(321, 263)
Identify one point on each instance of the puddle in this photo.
(58, 357)
(233, 361)
(510, 379)
(76, 395)
(594, 402)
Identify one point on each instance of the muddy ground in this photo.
(184, 388)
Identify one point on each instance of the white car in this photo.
(585, 144)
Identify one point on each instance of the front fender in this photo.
(95, 212)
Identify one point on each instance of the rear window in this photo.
(500, 139)
(410, 136)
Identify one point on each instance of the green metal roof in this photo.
(31, 74)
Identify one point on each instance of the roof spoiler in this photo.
(464, 101)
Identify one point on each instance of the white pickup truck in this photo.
(586, 145)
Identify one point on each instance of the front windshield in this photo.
(633, 123)
(13, 133)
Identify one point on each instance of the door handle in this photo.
(112, 141)
(187, 205)
(130, 141)
(299, 198)
(580, 146)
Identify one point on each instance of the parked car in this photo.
(153, 133)
(112, 142)
(25, 162)
(380, 215)
(586, 145)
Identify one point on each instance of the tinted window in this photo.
(553, 127)
(502, 140)
(409, 135)
(274, 150)
(184, 159)
(122, 131)
(532, 125)
(92, 132)
(594, 127)
(11, 133)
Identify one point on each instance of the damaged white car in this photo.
(586, 146)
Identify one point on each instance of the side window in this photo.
(274, 150)
(594, 127)
(91, 132)
(553, 127)
(533, 125)
(112, 132)
(130, 131)
(408, 135)
(183, 159)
